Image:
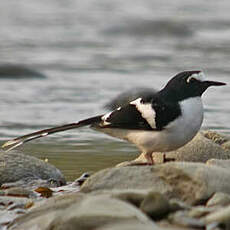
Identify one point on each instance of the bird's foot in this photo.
(142, 160)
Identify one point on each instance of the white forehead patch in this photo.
(198, 76)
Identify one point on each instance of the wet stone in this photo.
(219, 198)
(155, 205)
(182, 218)
(131, 197)
(17, 192)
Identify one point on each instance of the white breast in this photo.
(188, 124)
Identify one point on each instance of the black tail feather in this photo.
(11, 144)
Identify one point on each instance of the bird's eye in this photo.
(190, 79)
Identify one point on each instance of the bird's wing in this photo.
(143, 114)
(138, 114)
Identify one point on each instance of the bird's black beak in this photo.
(213, 83)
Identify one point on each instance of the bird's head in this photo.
(189, 84)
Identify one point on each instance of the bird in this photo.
(158, 122)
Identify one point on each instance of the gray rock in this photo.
(190, 182)
(19, 71)
(10, 202)
(155, 205)
(130, 197)
(15, 166)
(202, 148)
(220, 163)
(130, 225)
(182, 218)
(18, 192)
(79, 212)
(199, 211)
(221, 216)
(226, 145)
(219, 198)
(42, 213)
(176, 205)
(168, 225)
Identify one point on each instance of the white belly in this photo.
(173, 136)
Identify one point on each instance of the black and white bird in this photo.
(160, 122)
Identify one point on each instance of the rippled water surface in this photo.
(90, 51)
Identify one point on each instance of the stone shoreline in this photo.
(192, 192)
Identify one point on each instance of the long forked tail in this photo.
(11, 144)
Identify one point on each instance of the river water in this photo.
(90, 51)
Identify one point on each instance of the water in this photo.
(91, 51)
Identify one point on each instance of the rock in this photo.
(182, 218)
(226, 145)
(15, 166)
(168, 225)
(192, 183)
(129, 225)
(221, 216)
(83, 212)
(130, 197)
(200, 211)
(200, 149)
(128, 96)
(11, 202)
(42, 213)
(155, 205)
(215, 137)
(18, 71)
(219, 198)
(18, 192)
(176, 205)
(220, 163)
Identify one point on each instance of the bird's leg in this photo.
(149, 158)
(144, 159)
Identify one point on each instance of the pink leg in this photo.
(149, 158)
(143, 160)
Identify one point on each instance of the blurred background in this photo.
(62, 61)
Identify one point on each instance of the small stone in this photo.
(155, 205)
(44, 191)
(15, 202)
(219, 198)
(176, 205)
(226, 145)
(19, 192)
(200, 211)
(215, 137)
(182, 218)
(131, 197)
(129, 225)
(221, 216)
